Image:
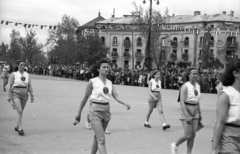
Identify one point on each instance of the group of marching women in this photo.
(99, 90)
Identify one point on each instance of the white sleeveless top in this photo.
(17, 79)
(234, 108)
(97, 92)
(191, 97)
(154, 85)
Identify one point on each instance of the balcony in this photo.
(114, 54)
(174, 44)
(126, 55)
(138, 55)
(127, 43)
(232, 44)
(173, 56)
(231, 57)
(125, 66)
(114, 43)
(185, 56)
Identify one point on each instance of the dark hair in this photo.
(154, 73)
(228, 78)
(186, 73)
(101, 62)
(97, 66)
(20, 62)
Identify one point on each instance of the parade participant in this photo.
(88, 124)
(155, 99)
(227, 128)
(100, 90)
(189, 110)
(20, 85)
(5, 74)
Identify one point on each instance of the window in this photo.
(139, 41)
(201, 41)
(139, 50)
(126, 62)
(174, 42)
(114, 40)
(127, 42)
(174, 39)
(114, 50)
(212, 41)
(138, 63)
(174, 51)
(186, 41)
(163, 42)
(103, 40)
(212, 26)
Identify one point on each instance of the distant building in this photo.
(127, 45)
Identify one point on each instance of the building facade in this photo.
(181, 36)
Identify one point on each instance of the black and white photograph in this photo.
(120, 77)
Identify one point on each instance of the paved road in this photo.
(48, 122)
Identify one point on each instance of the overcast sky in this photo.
(50, 12)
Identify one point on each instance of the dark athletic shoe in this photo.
(21, 132)
(147, 125)
(166, 127)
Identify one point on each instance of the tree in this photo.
(151, 30)
(71, 47)
(24, 48)
(29, 46)
(14, 53)
(212, 62)
(91, 48)
(3, 51)
(63, 40)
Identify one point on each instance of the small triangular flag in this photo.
(29, 26)
(2, 21)
(50, 27)
(16, 24)
(7, 22)
(25, 25)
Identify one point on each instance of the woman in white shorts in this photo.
(20, 86)
(155, 99)
(189, 110)
(100, 90)
(226, 138)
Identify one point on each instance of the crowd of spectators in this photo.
(171, 76)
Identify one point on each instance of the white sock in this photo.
(164, 124)
(146, 122)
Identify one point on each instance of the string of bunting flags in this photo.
(54, 27)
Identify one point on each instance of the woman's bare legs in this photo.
(99, 137)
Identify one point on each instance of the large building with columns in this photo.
(182, 39)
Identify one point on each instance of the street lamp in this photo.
(148, 53)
